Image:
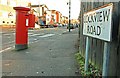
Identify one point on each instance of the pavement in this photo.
(53, 57)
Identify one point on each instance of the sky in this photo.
(61, 5)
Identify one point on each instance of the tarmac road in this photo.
(8, 35)
(50, 53)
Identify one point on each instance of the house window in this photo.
(4, 2)
(3, 21)
(11, 21)
(8, 2)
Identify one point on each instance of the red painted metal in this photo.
(21, 29)
(31, 22)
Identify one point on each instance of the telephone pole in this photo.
(69, 13)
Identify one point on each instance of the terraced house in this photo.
(7, 14)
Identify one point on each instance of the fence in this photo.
(97, 46)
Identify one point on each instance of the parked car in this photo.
(50, 26)
(55, 25)
(71, 26)
(59, 25)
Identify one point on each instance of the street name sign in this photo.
(97, 23)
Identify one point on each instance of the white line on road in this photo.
(9, 42)
(8, 37)
(36, 34)
(5, 49)
(30, 33)
(6, 34)
(65, 31)
(35, 39)
(13, 33)
(47, 35)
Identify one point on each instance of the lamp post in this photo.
(39, 9)
(69, 13)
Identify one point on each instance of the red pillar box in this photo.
(21, 28)
(31, 21)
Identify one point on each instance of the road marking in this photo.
(65, 31)
(6, 34)
(9, 37)
(13, 33)
(30, 42)
(32, 34)
(43, 36)
(47, 35)
(35, 34)
(27, 52)
(9, 42)
(35, 39)
(5, 49)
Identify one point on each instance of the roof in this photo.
(43, 5)
(6, 8)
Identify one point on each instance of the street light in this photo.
(69, 13)
(39, 9)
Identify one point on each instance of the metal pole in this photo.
(69, 13)
(86, 54)
(106, 59)
(39, 9)
(39, 15)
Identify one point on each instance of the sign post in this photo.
(86, 53)
(106, 59)
(97, 24)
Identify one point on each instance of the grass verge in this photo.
(92, 70)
